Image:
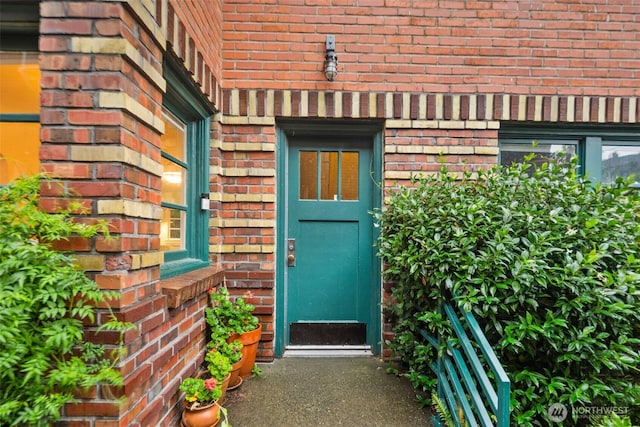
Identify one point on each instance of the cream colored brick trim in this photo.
(242, 223)
(322, 105)
(246, 198)
(355, 105)
(388, 105)
(304, 103)
(148, 259)
(373, 111)
(253, 249)
(241, 120)
(602, 112)
(115, 153)
(123, 101)
(129, 208)
(248, 172)
(249, 146)
(337, 104)
(89, 262)
(486, 151)
(616, 109)
(145, 10)
(440, 124)
(571, 108)
(246, 249)
(586, 108)
(118, 46)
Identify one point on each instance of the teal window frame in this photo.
(186, 103)
(589, 140)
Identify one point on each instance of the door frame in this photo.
(322, 127)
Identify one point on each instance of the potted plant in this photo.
(237, 319)
(232, 350)
(219, 368)
(201, 407)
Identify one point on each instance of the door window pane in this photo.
(620, 161)
(336, 179)
(349, 179)
(308, 175)
(329, 175)
(172, 235)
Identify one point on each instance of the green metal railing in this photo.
(464, 385)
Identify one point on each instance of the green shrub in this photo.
(44, 300)
(548, 263)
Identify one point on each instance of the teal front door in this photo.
(332, 296)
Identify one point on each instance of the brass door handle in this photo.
(291, 252)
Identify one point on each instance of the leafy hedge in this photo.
(549, 264)
(44, 300)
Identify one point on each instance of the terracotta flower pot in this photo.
(225, 385)
(205, 416)
(235, 379)
(249, 342)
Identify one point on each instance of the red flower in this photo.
(211, 383)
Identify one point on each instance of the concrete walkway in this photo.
(308, 392)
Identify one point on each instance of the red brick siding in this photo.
(519, 47)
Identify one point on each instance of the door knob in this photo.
(291, 252)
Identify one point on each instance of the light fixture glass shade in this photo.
(331, 66)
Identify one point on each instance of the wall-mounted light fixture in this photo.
(331, 59)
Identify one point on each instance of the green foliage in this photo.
(229, 316)
(217, 364)
(548, 262)
(44, 302)
(231, 350)
(441, 409)
(201, 392)
(613, 420)
(256, 371)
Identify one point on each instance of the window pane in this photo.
(19, 146)
(174, 182)
(172, 234)
(329, 175)
(349, 179)
(620, 161)
(308, 175)
(174, 138)
(19, 83)
(20, 95)
(515, 153)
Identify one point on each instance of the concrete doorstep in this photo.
(319, 391)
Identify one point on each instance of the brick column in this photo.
(101, 101)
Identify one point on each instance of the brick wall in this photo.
(521, 47)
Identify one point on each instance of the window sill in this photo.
(182, 288)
